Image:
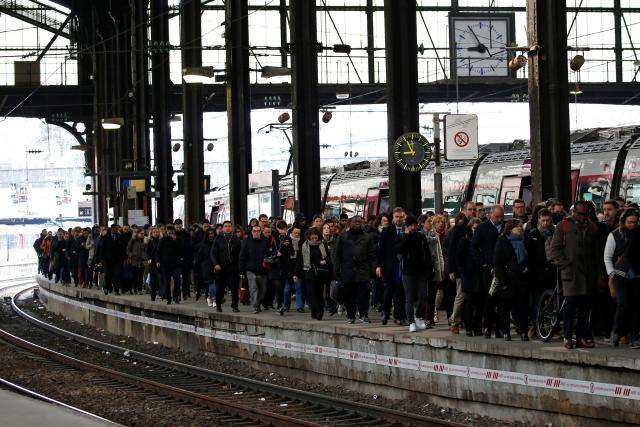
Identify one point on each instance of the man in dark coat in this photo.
(483, 245)
(456, 234)
(225, 253)
(355, 260)
(109, 260)
(388, 268)
(170, 259)
(574, 250)
(252, 255)
(186, 265)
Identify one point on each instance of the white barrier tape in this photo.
(523, 379)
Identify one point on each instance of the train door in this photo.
(384, 201)
(575, 177)
(509, 192)
(371, 204)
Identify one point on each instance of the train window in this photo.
(384, 204)
(486, 199)
(632, 192)
(509, 198)
(596, 192)
(452, 204)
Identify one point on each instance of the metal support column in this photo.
(402, 102)
(238, 107)
(140, 80)
(193, 166)
(160, 94)
(437, 175)
(617, 22)
(304, 86)
(283, 33)
(371, 64)
(549, 101)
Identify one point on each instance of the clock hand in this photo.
(409, 145)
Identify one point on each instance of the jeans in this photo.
(297, 286)
(169, 273)
(211, 288)
(415, 288)
(186, 279)
(575, 307)
(627, 318)
(356, 297)
(257, 288)
(394, 295)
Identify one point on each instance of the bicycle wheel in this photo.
(546, 315)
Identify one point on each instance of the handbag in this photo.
(243, 292)
(322, 273)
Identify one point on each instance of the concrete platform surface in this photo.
(19, 410)
(440, 336)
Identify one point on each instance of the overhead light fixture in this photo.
(326, 117)
(342, 48)
(194, 75)
(210, 146)
(271, 71)
(175, 118)
(80, 147)
(518, 62)
(176, 147)
(283, 118)
(576, 90)
(112, 123)
(577, 62)
(342, 95)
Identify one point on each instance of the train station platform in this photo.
(23, 411)
(530, 382)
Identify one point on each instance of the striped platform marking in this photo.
(483, 374)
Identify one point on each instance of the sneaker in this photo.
(420, 324)
(365, 320)
(412, 327)
(635, 344)
(455, 330)
(214, 304)
(568, 344)
(209, 302)
(351, 321)
(235, 310)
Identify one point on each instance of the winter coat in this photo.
(483, 243)
(289, 259)
(455, 234)
(541, 272)
(225, 252)
(315, 256)
(136, 253)
(355, 258)
(437, 258)
(203, 261)
(252, 255)
(107, 250)
(574, 250)
(508, 271)
(467, 264)
(412, 250)
(387, 258)
(169, 254)
(186, 246)
(152, 253)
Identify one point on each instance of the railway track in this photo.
(238, 400)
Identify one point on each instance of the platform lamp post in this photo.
(437, 159)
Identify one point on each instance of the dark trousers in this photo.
(169, 273)
(136, 274)
(576, 307)
(270, 294)
(521, 309)
(315, 293)
(504, 306)
(394, 296)
(198, 284)
(377, 292)
(430, 308)
(473, 310)
(224, 282)
(356, 296)
(185, 269)
(626, 319)
(154, 278)
(111, 278)
(415, 294)
(278, 289)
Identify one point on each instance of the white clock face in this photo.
(479, 47)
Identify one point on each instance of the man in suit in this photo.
(483, 246)
(457, 233)
(388, 268)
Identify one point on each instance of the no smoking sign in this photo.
(461, 139)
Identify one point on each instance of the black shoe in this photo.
(300, 310)
(507, 337)
(469, 333)
(333, 311)
(281, 311)
(235, 310)
(117, 293)
(106, 291)
(351, 321)
(524, 337)
(487, 334)
(256, 311)
(319, 317)
(365, 320)
(219, 309)
(384, 320)
(168, 302)
(198, 296)
(615, 340)
(499, 335)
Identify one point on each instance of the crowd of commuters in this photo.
(482, 270)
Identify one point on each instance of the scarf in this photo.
(295, 243)
(306, 253)
(517, 242)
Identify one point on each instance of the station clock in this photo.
(478, 44)
(412, 152)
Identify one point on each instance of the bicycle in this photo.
(549, 312)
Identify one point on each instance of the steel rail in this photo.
(376, 412)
